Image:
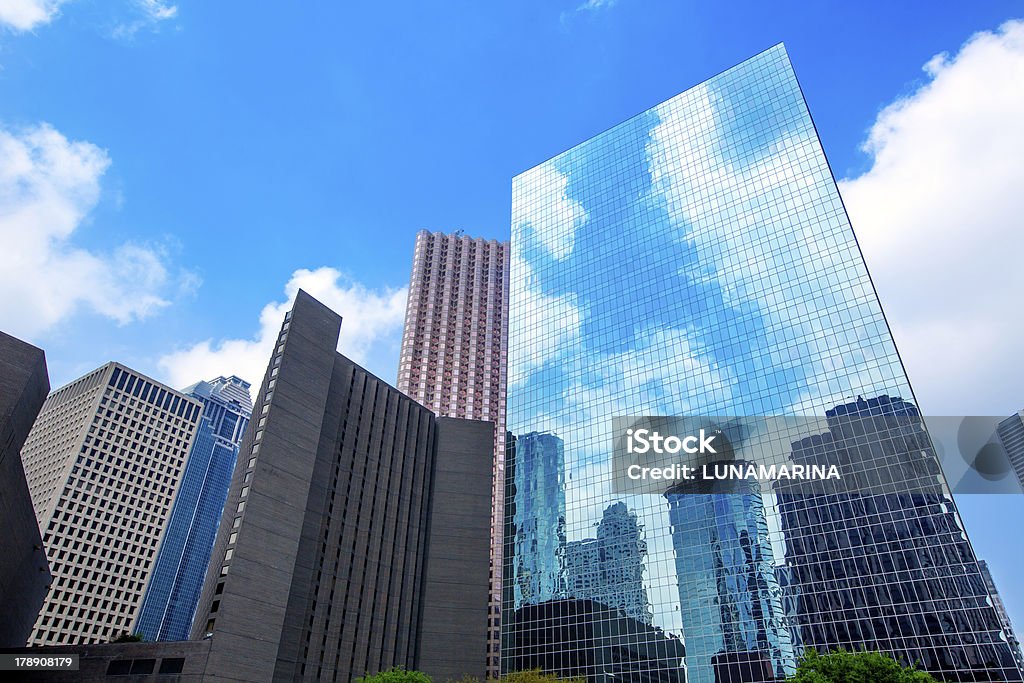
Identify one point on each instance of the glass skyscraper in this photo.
(697, 260)
(177, 578)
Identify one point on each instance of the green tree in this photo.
(840, 666)
(537, 676)
(128, 638)
(531, 676)
(395, 674)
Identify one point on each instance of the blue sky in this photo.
(169, 170)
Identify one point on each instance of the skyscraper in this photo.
(103, 463)
(177, 577)
(696, 260)
(355, 535)
(454, 348)
(24, 571)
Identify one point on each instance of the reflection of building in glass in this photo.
(535, 543)
(1011, 434)
(1004, 617)
(883, 570)
(729, 596)
(585, 638)
(609, 569)
(696, 259)
(454, 348)
(180, 566)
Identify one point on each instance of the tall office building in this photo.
(103, 462)
(355, 535)
(1004, 616)
(177, 576)
(697, 260)
(24, 571)
(454, 348)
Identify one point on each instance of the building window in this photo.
(172, 665)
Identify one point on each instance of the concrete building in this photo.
(177, 577)
(103, 463)
(24, 571)
(454, 349)
(355, 535)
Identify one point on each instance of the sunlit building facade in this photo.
(697, 260)
(454, 353)
(103, 462)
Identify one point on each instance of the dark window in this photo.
(119, 667)
(143, 666)
(173, 665)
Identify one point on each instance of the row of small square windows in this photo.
(250, 468)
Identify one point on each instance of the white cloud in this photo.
(147, 14)
(594, 5)
(48, 186)
(940, 218)
(25, 15)
(370, 319)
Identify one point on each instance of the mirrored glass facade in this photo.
(697, 259)
(172, 594)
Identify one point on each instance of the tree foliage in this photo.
(840, 666)
(128, 638)
(395, 674)
(531, 676)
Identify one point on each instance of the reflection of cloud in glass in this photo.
(665, 374)
(546, 209)
(770, 231)
(544, 216)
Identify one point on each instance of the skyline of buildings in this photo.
(103, 462)
(697, 260)
(716, 306)
(172, 593)
(453, 356)
(356, 534)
